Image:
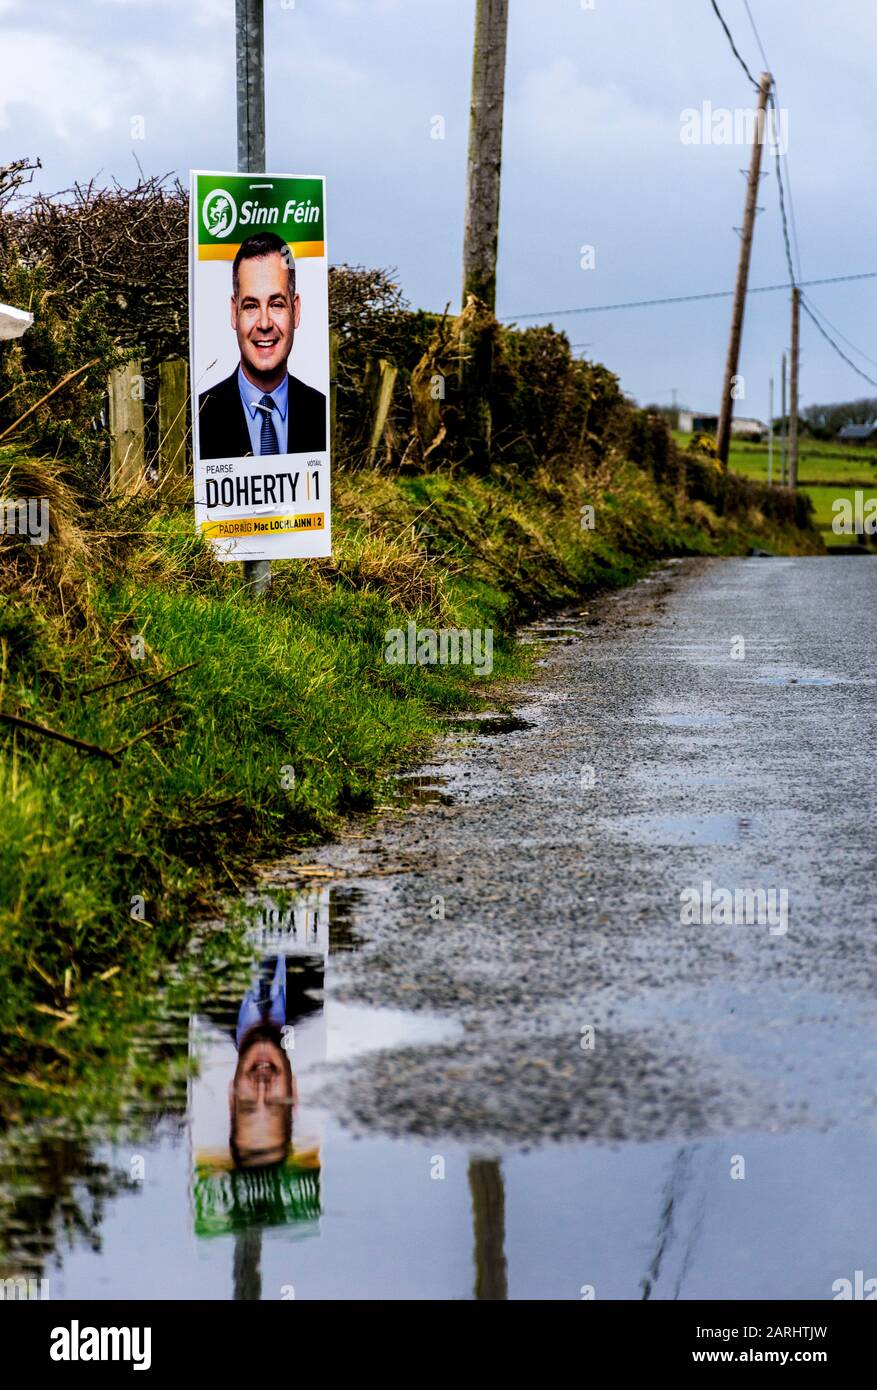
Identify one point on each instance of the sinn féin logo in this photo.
(219, 213)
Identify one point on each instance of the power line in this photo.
(792, 208)
(774, 105)
(835, 329)
(809, 309)
(734, 48)
(785, 156)
(785, 225)
(840, 352)
(784, 220)
(682, 298)
(757, 36)
(794, 280)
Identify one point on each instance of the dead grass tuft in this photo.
(53, 571)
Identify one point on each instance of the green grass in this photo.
(825, 513)
(296, 681)
(826, 471)
(817, 462)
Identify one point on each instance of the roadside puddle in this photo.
(422, 790)
(708, 829)
(790, 675)
(688, 720)
(487, 723)
(230, 1154)
(238, 1183)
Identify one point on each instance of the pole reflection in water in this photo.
(488, 1224)
(247, 1271)
(255, 1154)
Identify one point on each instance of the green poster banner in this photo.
(232, 207)
(259, 346)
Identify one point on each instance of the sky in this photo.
(593, 155)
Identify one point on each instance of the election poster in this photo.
(259, 345)
(254, 1143)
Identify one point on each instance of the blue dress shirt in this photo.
(250, 398)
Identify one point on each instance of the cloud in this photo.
(74, 91)
(203, 12)
(67, 90)
(561, 115)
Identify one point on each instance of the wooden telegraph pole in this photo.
(783, 428)
(485, 151)
(726, 409)
(481, 227)
(770, 435)
(793, 391)
(488, 1219)
(250, 54)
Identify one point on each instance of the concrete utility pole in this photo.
(250, 55)
(726, 409)
(485, 151)
(793, 391)
(783, 428)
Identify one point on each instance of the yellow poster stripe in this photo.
(227, 251)
(236, 526)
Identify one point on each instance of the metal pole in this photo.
(770, 437)
(726, 408)
(250, 64)
(793, 391)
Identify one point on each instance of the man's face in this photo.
(260, 1098)
(264, 318)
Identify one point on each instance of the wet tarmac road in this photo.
(715, 725)
(531, 1073)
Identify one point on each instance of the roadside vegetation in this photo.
(827, 470)
(202, 728)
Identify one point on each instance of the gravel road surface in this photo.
(715, 723)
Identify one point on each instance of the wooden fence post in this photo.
(334, 346)
(173, 397)
(384, 396)
(127, 461)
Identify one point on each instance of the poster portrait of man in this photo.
(262, 408)
(259, 365)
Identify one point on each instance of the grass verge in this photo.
(827, 472)
(239, 727)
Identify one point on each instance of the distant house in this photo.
(858, 434)
(755, 430)
(695, 422)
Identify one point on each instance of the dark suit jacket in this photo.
(223, 423)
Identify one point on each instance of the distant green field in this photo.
(817, 463)
(826, 471)
(823, 498)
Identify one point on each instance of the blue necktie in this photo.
(268, 439)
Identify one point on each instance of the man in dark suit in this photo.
(261, 408)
